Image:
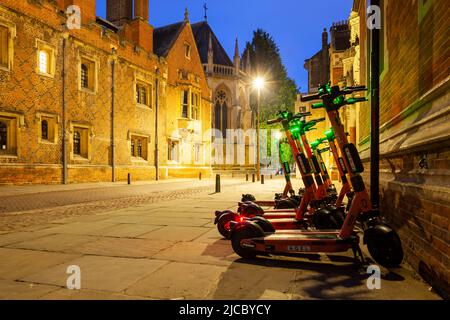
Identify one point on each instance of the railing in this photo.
(220, 70)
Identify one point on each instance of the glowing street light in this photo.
(258, 83)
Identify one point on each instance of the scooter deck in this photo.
(283, 243)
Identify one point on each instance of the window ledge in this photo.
(143, 106)
(80, 158)
(43, 141)
(139, 159)
(8, 156)
(6, 69)
(46, 75)
(88, 91)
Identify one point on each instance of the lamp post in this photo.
(258, 83)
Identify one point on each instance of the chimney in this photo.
(119, 11)
(324, 38)
(141, 9)
(138, 30)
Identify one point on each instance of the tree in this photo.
(280, 92)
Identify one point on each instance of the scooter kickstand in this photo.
(357, 254)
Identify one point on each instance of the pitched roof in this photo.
(201, 31)
(164, 38)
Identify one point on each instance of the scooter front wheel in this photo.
(386, 249)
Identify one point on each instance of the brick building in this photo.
(81, 105)
(414, 128)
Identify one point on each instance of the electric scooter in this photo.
(288, 199)
(254, 237)
(301, 217)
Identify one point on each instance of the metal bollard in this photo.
(246, 177)
(253, 177)
(262, 179)
(270, 177)
(199, 176)
(218, 183)
(129, 178)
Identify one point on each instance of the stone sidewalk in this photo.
(171, 250)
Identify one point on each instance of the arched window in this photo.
(3, 136)
(221, 112)
(84, 76)
(44, 130)
(77, 143)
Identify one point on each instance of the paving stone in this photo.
(86, 228)
(67, 294)
(15, 237)
(16, 290)
(18, 263)
(175, 233)
(100, 273)
(126, 230)
(217, 254)
(179, 281)
(123, 247)
(253, 281)
(54, 242)
(213, 237)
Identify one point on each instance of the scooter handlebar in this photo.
(310, 97)
(273, 121)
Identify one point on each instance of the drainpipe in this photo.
(63, 93)
(113, 145)
(375, 114)
(156, 125)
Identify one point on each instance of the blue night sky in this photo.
(296, 25)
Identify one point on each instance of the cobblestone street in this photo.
(131, 242)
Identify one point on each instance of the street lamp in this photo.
(258, 83)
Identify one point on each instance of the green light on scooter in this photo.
(330, 134)
(315, 144)
(339, 100)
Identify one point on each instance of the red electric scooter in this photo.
(311, 209)
(252, 236)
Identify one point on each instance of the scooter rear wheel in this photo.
(386, 249)
(224, 224)
(246, 232)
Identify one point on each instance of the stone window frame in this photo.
(15, 122)
(86, 139)
(12, 34)
(138, 135)
(187, 50)
(54, 121)
(182, 104)
(142, 81)
(191, 105)
(52, 52)
(93, 61)
(201, 154)
(170, 160)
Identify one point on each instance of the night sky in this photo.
(296, 25)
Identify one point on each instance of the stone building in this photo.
(187, 115)
(230, 85)
(84, 104)
(414, 129)
(318, 66)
